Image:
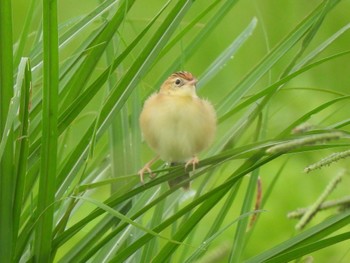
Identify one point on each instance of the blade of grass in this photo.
(315, 233)
(308, 249)
(124, 218)
(240, 235)
(327, 7)
(94, 235)
(227, 54)
(25, 31)
(320, 48)
(266, 63)
(306, 116)
(22, 146)
(123, 238)
(65, 39)
(214, 229)
(230, 199)
(67, 70)
(47, 182)
(159, 212)
(115, 237)
(193, 46)
(69, 35)
(187, 29)
(6, 162)
(94, 53)
(205, 244)
(277, 84)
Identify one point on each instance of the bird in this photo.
(177, 124)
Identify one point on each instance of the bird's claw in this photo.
(194, 161)
(147, 169)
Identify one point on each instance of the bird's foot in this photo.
(147, 169)
(194, 161)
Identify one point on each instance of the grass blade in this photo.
(308, 249)
(315, 233)
(124, 218)
(22, 145)
(191, 47)
(6, 162)
(228, 53)
(266, 64)
(47, 182)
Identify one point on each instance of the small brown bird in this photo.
(177, 124)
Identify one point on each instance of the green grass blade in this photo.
(270, 60)
(327, 7)
(277, 85)
(214, 229)
(12, 114)
(76, 253)
(315, 233)
(47, 182)
(22, 145)
(240, 236)
(88, 19)
(67, 36)
(204, 246)
(106, 246)
(25, 31)
(187, 29)
(94, 52)
(228, 54)
(321, 48)
(306, 116)
(124, 218)
(6, 162)
(308, 249)
(191, 47)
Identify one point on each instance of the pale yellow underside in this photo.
(177, 127)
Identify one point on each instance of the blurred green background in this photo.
(276, 19)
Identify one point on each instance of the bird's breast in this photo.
(177, 127)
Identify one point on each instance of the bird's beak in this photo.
(193, 82)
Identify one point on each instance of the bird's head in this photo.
(180, 83)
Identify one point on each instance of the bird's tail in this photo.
(174, 182)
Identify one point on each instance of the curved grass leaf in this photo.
(123, 218)
(305, 238)
(228, 54)
(22, 146)
(271, 59)
(308, 249)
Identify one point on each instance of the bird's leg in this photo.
(147, 168)
(194, 161)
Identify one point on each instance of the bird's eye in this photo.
(178, 82)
